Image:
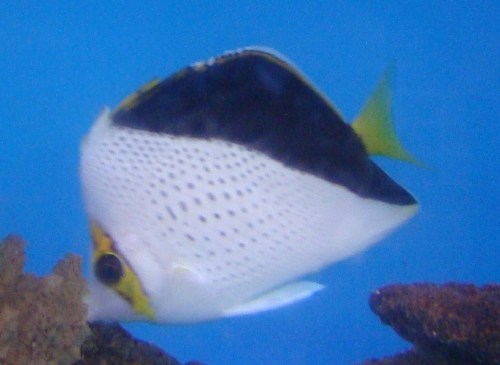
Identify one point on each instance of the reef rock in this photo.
(42, 320)
(110, 344)
(448, 324)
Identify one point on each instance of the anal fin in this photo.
(280, 297)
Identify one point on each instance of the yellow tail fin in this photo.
(374, 124)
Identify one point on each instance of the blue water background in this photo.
(61, 62)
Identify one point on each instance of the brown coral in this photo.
(110, 344)
(449, 324)
(42, 320)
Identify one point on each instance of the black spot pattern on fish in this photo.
(257, 100)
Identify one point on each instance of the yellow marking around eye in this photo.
(102, 242)
(129, 286)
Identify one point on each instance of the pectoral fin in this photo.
(280, 297)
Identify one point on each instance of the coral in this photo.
(42, 320)
(414, 357)
(449, 324)
(110, 344)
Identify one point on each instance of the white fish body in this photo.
(214, 228)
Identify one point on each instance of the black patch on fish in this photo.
(256, 99)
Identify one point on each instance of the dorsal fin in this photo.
(131, 101)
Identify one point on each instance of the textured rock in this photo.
(417, 357)
(449, 324)
(110, 344)
(42, 320)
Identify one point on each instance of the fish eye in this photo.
(108, 269)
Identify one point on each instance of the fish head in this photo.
(142, 263)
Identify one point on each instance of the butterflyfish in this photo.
(212, 193)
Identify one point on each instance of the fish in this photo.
(214, 192)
